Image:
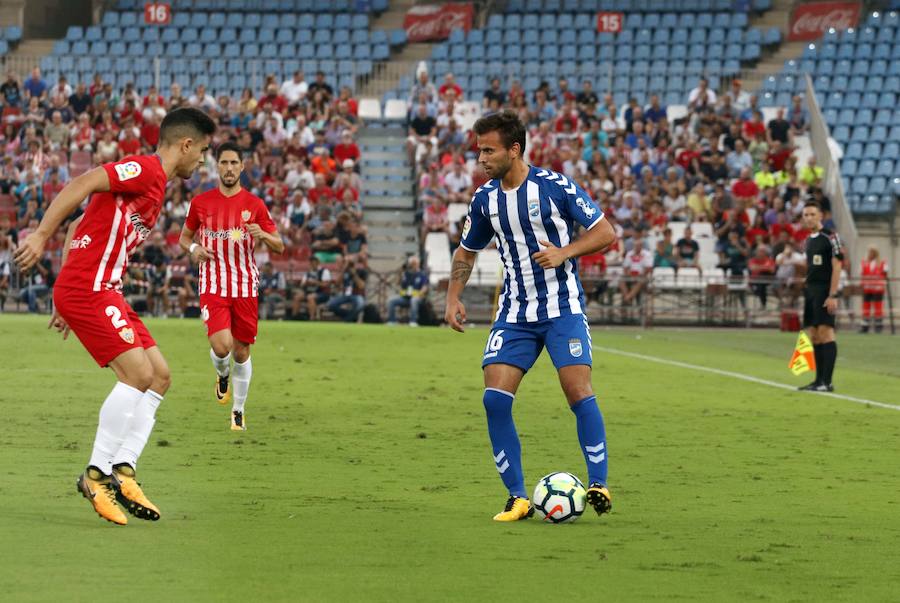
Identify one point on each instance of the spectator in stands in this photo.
(735, 253)
(272, 290)
(738, 160)
(637, 266)
(493, 94)
(12, 94)
(701, 96)
(780, 128)
(435, 218)
(665, 252)
(422, 135)
(458, 184)
(687, 250)
(698, 205)
(320, 85)
(413, 292)
(798, 116)
(811, 174)
(35, 86)
(655, 112)
(349, 303)
(790, 262)
(450, 85)
(37, 282)
(6, 249)
(107, 148)
(56, 134)
(315, 290)
(294, 89)
(346, 149)
(740, 98)
(762, 272)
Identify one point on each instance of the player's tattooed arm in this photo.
(461, 271)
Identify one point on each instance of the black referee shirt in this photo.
(821, 248)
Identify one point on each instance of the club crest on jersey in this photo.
(587, 209)
(245, 215)
(817, 259)
(534, 208)
(128, 170)
(127, 335)
(575, 348)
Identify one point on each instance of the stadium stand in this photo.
(856, 76)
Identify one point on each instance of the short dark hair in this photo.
(185, 122)
(507, 124)
(812, 203)
(228, 146)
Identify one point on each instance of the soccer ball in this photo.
(559, 498)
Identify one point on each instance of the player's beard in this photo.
(500, 170)
(230, 181)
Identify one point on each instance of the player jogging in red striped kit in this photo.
(125, 199)
(231, 221)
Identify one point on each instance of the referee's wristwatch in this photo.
(835, 296)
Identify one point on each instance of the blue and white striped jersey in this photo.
(544, 207)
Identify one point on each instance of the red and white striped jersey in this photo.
(115, 223)
(222, 223)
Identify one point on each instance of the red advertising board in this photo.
(157, 13)
(436, 21)
(610, 22)
(811, 21)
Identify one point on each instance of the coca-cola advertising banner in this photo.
(436, 21)
(811, 21)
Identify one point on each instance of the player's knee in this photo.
(162, 380)
(140, 377)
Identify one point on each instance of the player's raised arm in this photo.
(68, 199)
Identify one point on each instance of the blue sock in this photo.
(505, 440)
(592, 437)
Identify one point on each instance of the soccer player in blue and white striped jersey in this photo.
(531, 213)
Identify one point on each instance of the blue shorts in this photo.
(567, 339)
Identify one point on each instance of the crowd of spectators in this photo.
(719, 163)
(300, 156)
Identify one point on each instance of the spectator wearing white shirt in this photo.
(459, 185)
(202, 99)
(701, 96)
(294, 89)
(637, 266)
(740, 98)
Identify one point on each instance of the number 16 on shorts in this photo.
(495, 342)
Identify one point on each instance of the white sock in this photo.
(115, 416)
(223, 365)
(240, 381)
(139, 429)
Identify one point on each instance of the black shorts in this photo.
(814, 311)
(873, 297)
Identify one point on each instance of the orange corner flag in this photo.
(804, 358)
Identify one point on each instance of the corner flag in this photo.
(803, 359)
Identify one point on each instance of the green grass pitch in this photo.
(366, 474)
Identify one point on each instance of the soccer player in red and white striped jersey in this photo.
(231, 221)
(125, 200)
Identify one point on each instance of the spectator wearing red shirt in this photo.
(150, 132)
(778, 155)
(757, 232)
(745, 189)
(450, 84)
(755, 127)
(272, 99)
(762, 273)
(346, 149)
(129, 143)
(321, 192)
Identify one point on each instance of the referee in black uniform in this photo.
(823, 272)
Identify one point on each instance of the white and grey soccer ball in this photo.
(559, 498)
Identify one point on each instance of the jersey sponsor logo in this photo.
(81, 243)
(467, 227)
(128, 170)
(534, 208)
(575, 348)
(585, 207)
(127, 335)
(232, 234)
(245, 215)
(817, 260)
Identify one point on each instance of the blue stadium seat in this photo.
(173, 49)
(128, 19)
(266, 36)
(80, 47)
(99, 49)
(180, 19)
(200, 20)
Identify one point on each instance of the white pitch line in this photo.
(715, 371)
